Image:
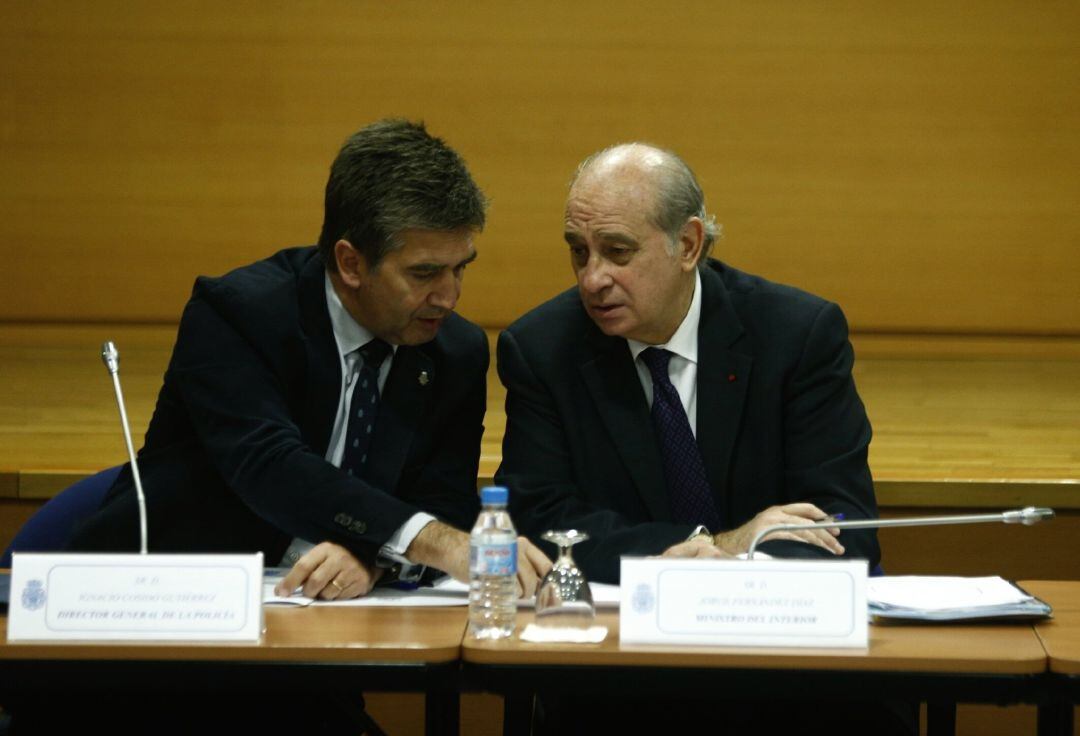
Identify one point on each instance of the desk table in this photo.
(1060, 638)
(936, 664)
(314, 650)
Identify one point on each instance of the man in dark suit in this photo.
(325, 405)
(671, 403)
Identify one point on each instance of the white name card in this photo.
(132, 597)
(771, 603)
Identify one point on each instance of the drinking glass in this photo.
(564, 598)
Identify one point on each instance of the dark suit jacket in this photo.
(778, 418)
(234, 456)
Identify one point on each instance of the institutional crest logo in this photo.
(33, 595)
(643, 598)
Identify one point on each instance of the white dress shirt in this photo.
(350, 336)
(683, 367)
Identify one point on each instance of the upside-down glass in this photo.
(564, 598)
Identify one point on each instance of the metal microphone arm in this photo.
(111, 358)
(1026, 516)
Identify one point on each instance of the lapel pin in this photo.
(423, 378)
(731, 378)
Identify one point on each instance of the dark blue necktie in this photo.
(364, 408)
(688, 489)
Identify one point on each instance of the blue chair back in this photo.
(50, 528)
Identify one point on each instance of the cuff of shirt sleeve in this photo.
(393, 551)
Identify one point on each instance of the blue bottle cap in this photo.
(494, 495)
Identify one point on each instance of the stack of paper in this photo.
(443, 592)
(923, 598)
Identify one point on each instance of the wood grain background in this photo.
(918, 162)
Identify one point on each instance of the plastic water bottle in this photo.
(493, 568)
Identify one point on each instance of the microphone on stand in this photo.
(111, 358)
(219, 595)
(1026, 516)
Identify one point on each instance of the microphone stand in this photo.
(111, 358)
(1026, 516)
(138, 596)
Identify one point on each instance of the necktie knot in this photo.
(656, 360)
(374, 353)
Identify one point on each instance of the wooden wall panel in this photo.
(918, 162)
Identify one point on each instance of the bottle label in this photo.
(493, 559)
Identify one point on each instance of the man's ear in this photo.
(690, 244)
(351, 264)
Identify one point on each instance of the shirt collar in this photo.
(684, 342)
(349, 334)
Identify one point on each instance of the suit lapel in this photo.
(319, 402)
(723, 379)
(616, 390)
(401, 404)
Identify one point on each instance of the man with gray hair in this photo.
(671, 404)
(325, 406)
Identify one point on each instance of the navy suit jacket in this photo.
(778, 421)
(234, 456)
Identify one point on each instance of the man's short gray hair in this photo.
(678, 194)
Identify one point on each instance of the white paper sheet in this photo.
(566, 635)
(934, 593)
(445, 592)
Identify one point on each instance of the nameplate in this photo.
(132, 597)
(759, 603)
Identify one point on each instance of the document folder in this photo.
(943, 599)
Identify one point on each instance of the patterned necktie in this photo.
(364, 408)
(691, 498)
